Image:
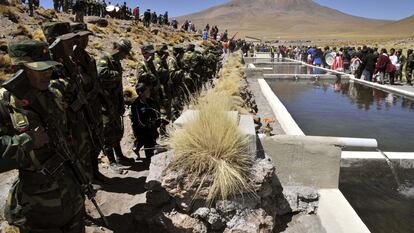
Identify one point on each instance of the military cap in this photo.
(148, 48)
(32, 54)
(124, 44)
(55, 29)
(80, 28)
(178, 48)
(190, 47)
(162, 48)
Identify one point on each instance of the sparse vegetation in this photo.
(38, 35)
(211, 145)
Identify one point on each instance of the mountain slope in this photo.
(283, 18)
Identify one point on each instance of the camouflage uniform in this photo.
(146, 73)
(147, 18)
(40, 201)
(91, 85)
(189, 64)
(110, 76)
(161, 67)
(409, 67)
(176, 81)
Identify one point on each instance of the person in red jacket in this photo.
(135, 12)
(381, 65)
(338, 64)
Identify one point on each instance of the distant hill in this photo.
(288, 19)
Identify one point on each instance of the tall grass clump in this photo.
(210, 147)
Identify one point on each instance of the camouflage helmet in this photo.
(148, 48)
(190, 47)
(55, 29)
(178, 49)
(124, 45)
(161, 48)
(32, 54)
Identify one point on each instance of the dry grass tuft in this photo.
(97, 45)
(132, 63)
(39, 36)
(211, 145)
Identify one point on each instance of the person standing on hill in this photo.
(110, 76)
(409, 66)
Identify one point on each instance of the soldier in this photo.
(147, 18)
(47, 196)
(160, 19)
(409, 67)
(145, 120)
(161, 67)
(188, 63)
(103, 9)
(176, 81)
(166, 18)
(110, 75)
(146, 72)
(154, 18)
(80, 9)
(56, 5)
(91, 86)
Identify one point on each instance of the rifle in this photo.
(81, 103)
(19, 86)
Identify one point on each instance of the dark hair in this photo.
(383, 50)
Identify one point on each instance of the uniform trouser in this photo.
(79, 16)
(391, 76)
(409, 74)
(110, 152)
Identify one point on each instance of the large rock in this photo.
(295, 199)
(250, 221)
(99, 21)
(159, 163)
(175, 222)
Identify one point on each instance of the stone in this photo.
(250, 221)
(175, 222)
(99, 21)
(210, 216)
(297, 199)
(159, 163)
(262, 176)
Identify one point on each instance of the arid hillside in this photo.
(294, 19)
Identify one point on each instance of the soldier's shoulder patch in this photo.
(102, 62)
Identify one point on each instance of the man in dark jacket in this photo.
(145, 120)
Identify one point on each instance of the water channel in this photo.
(347, 109)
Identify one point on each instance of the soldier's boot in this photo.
(98, 177)
(121, 158)
(115, 167)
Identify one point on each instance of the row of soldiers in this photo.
(169, 79)
(61, 109)
(152, 18)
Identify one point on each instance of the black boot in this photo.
(121, 157)
(115, 167)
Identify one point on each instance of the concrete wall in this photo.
(304, 161)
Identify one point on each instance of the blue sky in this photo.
(380, 9)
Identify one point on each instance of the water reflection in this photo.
(348, 109)
(297, 69)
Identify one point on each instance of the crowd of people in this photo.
(61, 109)
(370, 64)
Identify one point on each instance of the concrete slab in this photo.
(304, 162)
(247, 128)
(337, 215)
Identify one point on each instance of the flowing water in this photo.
(381, 191)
